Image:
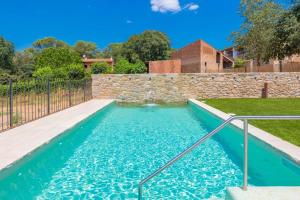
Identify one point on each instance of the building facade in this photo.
(200, 57)
(165, 66)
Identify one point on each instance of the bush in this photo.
(124, 67)
(60, 73)
(239, 63)
(137, 68)
(43, 73)
(101, 68)
(75, 71)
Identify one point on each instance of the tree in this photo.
(114, 50)
(256, 32)
(88, 49)
(48, 42)
(24, 63)
(150, 45)
(286, 38)
(6, 55)
(57, 57)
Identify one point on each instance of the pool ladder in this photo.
(209, 135)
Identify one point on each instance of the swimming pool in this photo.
(105, 157)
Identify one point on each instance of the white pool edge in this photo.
(263, 193)
(21, 141)
(290, 150)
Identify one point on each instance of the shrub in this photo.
(239, 63)
(101, 68)
(75, 71)
(121, 66)
(124, 67)
(43, 73)
(60, 73)
(137, 68)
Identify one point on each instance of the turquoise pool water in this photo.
(105, 156)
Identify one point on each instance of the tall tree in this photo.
(57, 58)
(6, 55)
(114, 50)
(286, 38)
(24, 63)
(89, 49)
(150, 45)
(255, 34)
(48, 42)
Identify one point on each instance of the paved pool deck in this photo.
(264, 193)
(21, 141)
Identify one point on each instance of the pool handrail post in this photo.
(209, 135)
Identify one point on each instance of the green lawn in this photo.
(287, 130)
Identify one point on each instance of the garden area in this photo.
(288, 130)
(50, 58)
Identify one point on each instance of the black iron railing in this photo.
(24, 101)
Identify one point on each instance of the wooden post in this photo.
(265, 91)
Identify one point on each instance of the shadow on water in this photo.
(27, 177)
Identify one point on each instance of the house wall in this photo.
(165, 66)
(209, 59)
(190, 58)
(198, 57)
(171, 88)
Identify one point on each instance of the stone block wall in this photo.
(173, 88)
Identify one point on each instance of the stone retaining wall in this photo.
(172, 88)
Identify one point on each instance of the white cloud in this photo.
(192, 6)
(129, 22)
(165, 6)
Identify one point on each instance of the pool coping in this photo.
(290, 150)
(265, 193)
(21, 141)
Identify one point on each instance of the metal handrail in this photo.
(209, 135)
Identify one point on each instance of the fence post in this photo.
(48, 96)
(11, 101)
(84, 91)
(69, 88)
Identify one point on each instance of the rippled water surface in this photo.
(107, 155)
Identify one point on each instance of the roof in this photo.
(93, 60)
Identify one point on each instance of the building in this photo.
(165, 66)
(200, 57)
(233, 52)
(87, 62)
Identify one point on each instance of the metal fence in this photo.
(25, 101)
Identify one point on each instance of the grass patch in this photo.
(288, 130)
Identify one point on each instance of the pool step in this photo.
(263, 193)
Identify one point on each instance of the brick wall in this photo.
(190, 58)
(165, 66)
(139, 88)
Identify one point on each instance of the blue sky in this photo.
(109, 21)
